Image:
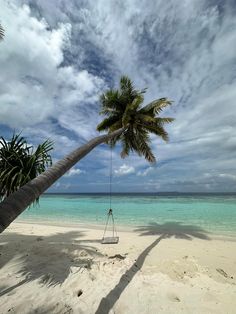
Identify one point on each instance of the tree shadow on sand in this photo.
(37, 257)
(163, 231)
(173, 229)
(59, 307)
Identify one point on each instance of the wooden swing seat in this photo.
(110, 240)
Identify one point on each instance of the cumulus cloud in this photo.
(124, 170)
(54, 66)
(74, 172)
(144, 173)
(35, 86)
(29, 57)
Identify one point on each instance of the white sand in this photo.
(44, 267)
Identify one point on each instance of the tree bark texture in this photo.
(17, 202)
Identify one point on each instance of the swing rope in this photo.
(114, 232)
(110, 213)
(111, 166)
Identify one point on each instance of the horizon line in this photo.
(161, 192)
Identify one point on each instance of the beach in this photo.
(172, 268)
(121, 115)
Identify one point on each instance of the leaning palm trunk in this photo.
(18, 201)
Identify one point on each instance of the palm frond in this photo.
(127, 141)
(157, 130)
(2, 32)
(123, 109)
(107, 123)
(126, 148)
(141, 141)
(131, 109)
(156, 106)
(108, 111)
(110, 102)
(146, 151)
(126, 85)
(162, 121)
(141, 117)
(117, 125)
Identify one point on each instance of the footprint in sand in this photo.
(173, 297)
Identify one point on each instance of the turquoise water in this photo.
(214, 213)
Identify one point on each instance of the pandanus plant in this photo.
(1, 32)
(126, 120)
(20, 163)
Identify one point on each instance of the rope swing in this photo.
(114, 239)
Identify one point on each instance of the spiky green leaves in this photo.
(1, 32)
(20, 164)
(155, 107)
(123, 109)
(138, 141)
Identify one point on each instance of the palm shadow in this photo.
(39, 260)
(170, 229)
(163, 231)
(51, 307)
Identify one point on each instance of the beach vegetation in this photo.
(1, 32)
(20, 162)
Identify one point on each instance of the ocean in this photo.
(214, 213)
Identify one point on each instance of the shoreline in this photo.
(66, 269)
(120, 228)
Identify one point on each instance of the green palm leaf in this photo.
(156, 106)
(1, 32)
(107, 123)
(123, 109)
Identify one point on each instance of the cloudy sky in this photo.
(58, 56)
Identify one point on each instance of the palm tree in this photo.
(126, 121)
(19, 163)
(1, 32)
(123, 109)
